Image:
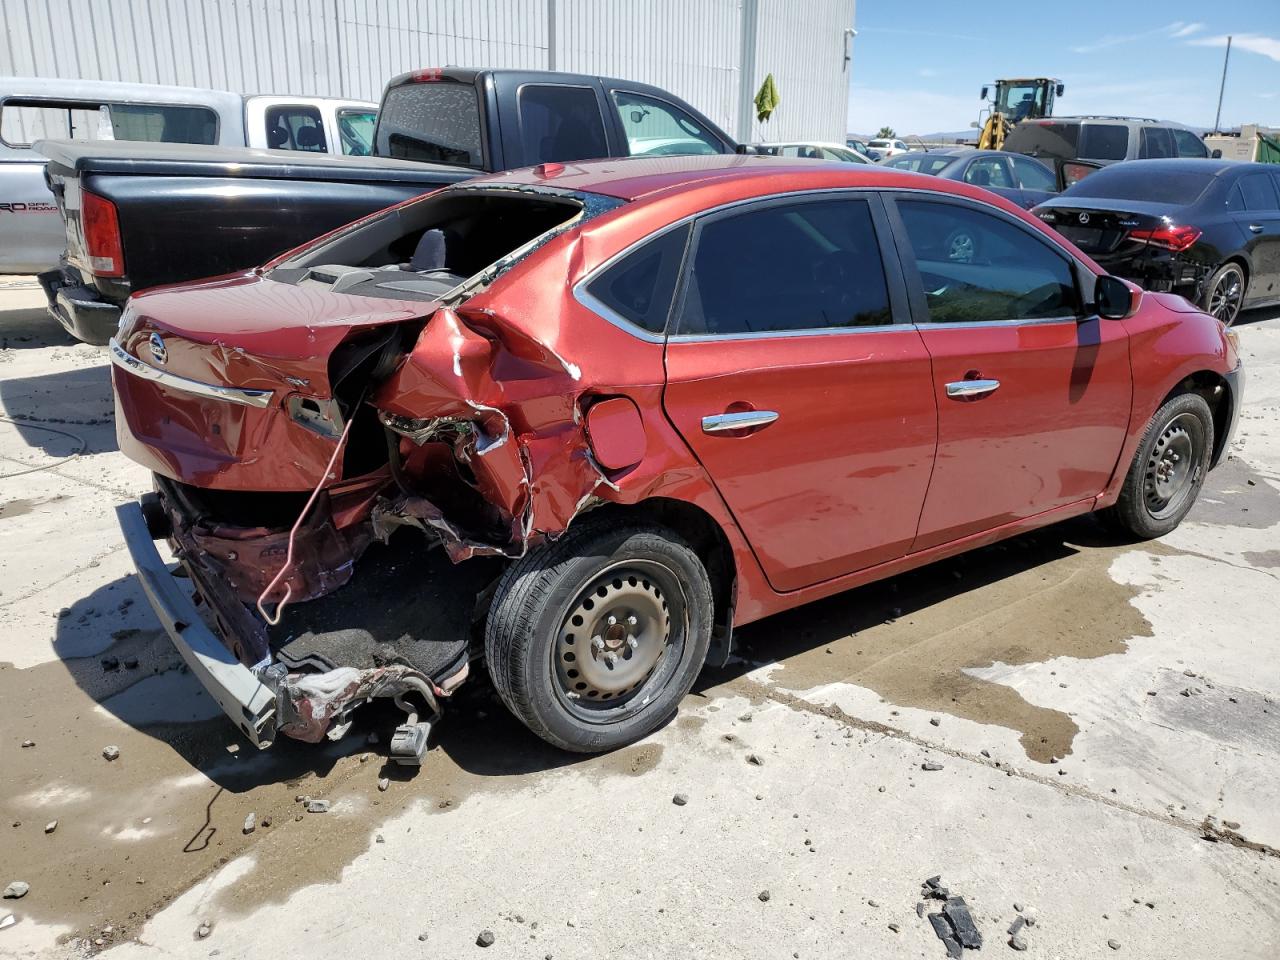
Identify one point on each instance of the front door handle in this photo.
(742, 420)
(1256, 227)
(964, 389)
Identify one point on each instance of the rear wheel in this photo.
(594, 639)
(1168, 469)
(1224, 293)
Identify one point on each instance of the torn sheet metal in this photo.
(313, 705)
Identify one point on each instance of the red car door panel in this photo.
(1033, 394)
(835, 484)
(786, 316)
(1049, 435)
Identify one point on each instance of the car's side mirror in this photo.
(1217, 154)
(748, 148)
(1112, 298)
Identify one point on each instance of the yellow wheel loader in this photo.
(1022, 99)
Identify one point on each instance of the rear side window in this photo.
(976, 267)
(1156, 143)
(639, 286)
(295, 127)
(655, 128)
(1103, 141)
(437, 122)
(1058, 140)
(920, 164)
(785, 268)
(22, 122)
(1187, 144)
(1033, 176)
(988, 172)
(559, 123)
(1259, 192)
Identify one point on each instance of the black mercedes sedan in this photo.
(1023, 180)
(1207, 229)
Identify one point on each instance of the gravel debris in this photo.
(51, 826)
(680, 799)
(486, 939)
(16, 890)
(1113, 944)
(250, 822)
(935, 721)
(28, 743)
(764, 896)
(204, 930)
(755, 760)
(317, 806)
(110, 752)
(1018, 942)
(383, 784)
(930, 766)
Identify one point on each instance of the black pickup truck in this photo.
(140, 215)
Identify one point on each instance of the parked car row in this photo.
(32, 109)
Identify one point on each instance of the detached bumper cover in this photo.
(244, 698)
(79, 308)
(1235, 383)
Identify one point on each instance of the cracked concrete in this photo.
(1076, 777)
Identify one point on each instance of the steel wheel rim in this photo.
(1226, 296)
(1173, 468)
(961, 248)
(597, 681)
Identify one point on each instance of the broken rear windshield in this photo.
(437, 122)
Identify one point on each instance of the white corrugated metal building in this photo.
(712, 53)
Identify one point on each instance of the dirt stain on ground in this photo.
(911, 639)
(20, 508)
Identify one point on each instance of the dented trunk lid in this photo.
(226, 383)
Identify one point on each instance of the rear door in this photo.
(798, 382)
(1260, 221)
(1033, 393)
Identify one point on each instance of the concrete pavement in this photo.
(1100, 709)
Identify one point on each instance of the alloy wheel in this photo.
(1227, 295)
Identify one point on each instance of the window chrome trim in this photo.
(210, 391)
(1031, 322)
(585, 298)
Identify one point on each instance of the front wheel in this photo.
(1168, 469)
(593, 639)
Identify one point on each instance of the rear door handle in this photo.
(1256, 227)
(742, 420)
(962, 389)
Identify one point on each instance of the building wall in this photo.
(695, 48)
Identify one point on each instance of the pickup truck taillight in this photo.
(101, 228)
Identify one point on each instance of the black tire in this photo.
(1224, 293)
(1176, 446)
(531, 646)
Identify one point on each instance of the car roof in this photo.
(1104, 118)
(1183, 165)
(632, 178)
(804, 143)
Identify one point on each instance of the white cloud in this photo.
(1253, 42)
(1176, 30)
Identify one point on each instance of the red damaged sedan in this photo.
(578, 422)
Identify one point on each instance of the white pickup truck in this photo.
(31, 231)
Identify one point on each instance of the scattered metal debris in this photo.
(953, 923)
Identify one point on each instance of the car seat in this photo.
(277, 137)
(310, 138)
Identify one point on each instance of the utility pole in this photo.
(1217, 120)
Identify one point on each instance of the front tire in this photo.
(1168, 469)
(1224, 293)
(594, 639)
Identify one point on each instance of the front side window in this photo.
(1187, 144)
(1156, 143)
(786, 267)
(1259, 192)
(355, 131)
(1033, 176)
(655, 128)
(976, 266)
(560, 123)
(988, 172)
(639, 286)
(1104, 141)
(295, 127)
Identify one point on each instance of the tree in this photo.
(887, 133)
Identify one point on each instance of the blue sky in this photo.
(918, 65)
